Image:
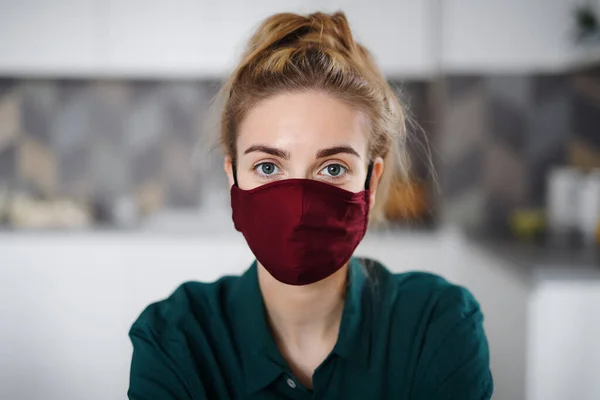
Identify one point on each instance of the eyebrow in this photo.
(336, 150)
(328, 152)
(269, 150)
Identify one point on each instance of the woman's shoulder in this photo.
(422, 293)
(190, 301)
(443, 320)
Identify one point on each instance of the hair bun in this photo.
(288, 30)
(332, 31)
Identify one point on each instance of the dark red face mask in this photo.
(301, 230)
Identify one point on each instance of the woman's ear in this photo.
(375, 176)
(228, 166)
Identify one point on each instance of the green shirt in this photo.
(402, 336)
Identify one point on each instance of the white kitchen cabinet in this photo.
(182, 37)
(398, 33)
(46, 37)
(201, 38)
(191, 37)
(507, 35)
(69, 299)
(187, 38)
(72, 297)
(564, 346)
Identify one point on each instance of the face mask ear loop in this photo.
(234, 168)
(369, 173)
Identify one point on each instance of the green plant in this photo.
(586, 22)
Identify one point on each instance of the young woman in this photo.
(311, 131)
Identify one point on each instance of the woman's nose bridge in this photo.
(301, 170)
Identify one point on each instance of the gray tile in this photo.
(183, 180)
(462, 127)
(497, 212)
(505, 176)
(538, 169)
(38, 164)
(70, 89)
(505, 184)
(462, 174)
(586, 120)
(75, 166)
(6, 85)
(422, 129)
(147, 165)
(508, 124)
(458, 85)
(210, 89)
(419, 99)
(72, 127)
(550, 125)
(466, 210)
(144, 90)
(549, 87)
(180, 122)
(588, 71)
(187, 94)
(8, 164)
(110, 170)
(207, 159)
(176, 161)
(10, 118)
(514, 90)
(86, 113)
(182, 197)
(145, 125)
(39, 103)
(110, 110)
(420, 153)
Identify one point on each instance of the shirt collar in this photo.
(354, 338)
(261, 360)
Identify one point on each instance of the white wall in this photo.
(507, 35)
(564, 341)
(48, 36)
(69, 300)
(503, 295)
(196, 38)
(186, 38)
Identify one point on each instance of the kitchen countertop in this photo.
(543, 261)
(530, 262)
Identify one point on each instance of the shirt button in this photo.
(291, 383)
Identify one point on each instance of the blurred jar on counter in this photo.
(588, 208)
(562, 202)
(25, 212)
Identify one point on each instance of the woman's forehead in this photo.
(306, 121)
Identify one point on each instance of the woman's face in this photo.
(308, 135)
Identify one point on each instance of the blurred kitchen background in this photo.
(112, 190)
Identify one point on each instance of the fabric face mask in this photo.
(301, 230)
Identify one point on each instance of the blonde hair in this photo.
(291, 53)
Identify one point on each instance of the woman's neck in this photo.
(306, 317)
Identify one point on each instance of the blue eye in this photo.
(334, 170)
(266, 169)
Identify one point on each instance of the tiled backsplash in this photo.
(97, 140)
(493, 139)
(500, 135)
